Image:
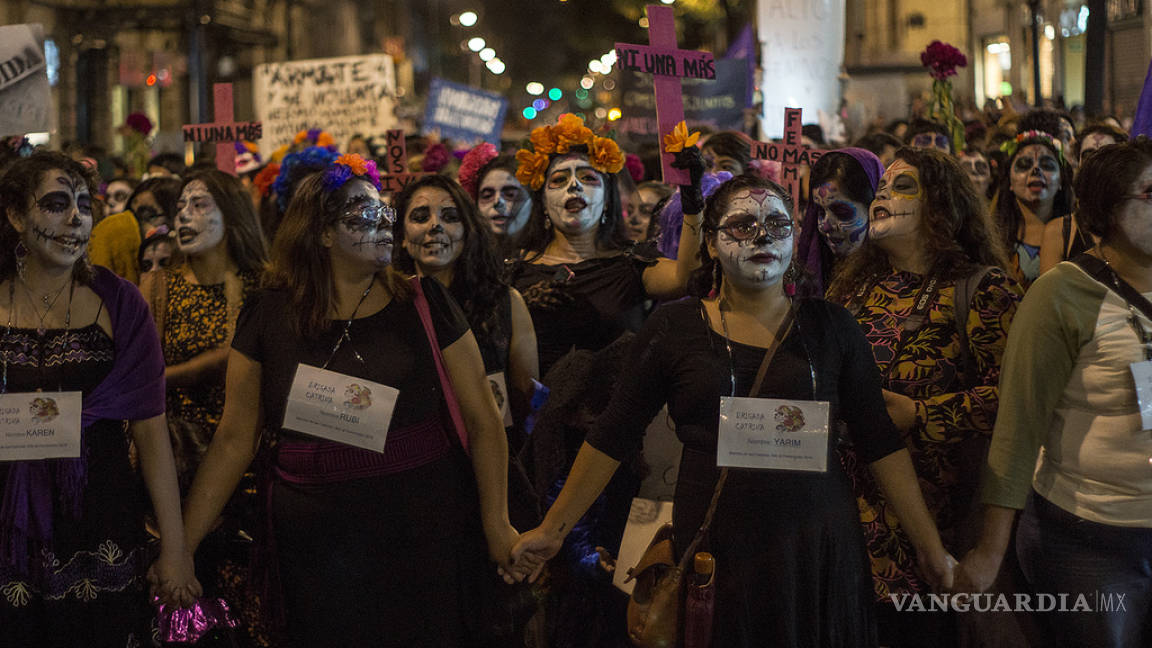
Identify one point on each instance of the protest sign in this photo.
(224, 131)
(802, 45)
(344, 96)
(791, 154)
(395, 176)
(25, 101)
(464, 113)
(717, 104)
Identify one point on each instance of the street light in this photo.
(468, 18)
(487, 54)
(476, 44)
(535, 88)
(496, 66)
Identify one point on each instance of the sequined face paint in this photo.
(896, 211)
(362, 232)
(843, 222)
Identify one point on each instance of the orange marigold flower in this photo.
(571, 131)
(531, 168)
(605, 155)
(679, 139)
(353, 161)
(300, 137)
(325, 139)
(543, 141)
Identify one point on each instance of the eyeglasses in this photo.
(928, 140)
(368, 217)
(776, 230)
(1138, 196)
(509, 193)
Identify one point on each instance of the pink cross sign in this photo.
(668, 65)
(790, 154)
(224, 132)
(396, 175)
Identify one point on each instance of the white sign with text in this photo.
(771, 434)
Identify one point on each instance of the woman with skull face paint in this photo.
(1078, 353)
(490, 179)
(1035, 192)
(73, 528)
(787, 543)
(836, 220)
(364, 547)
(116, 240)
(930, 245)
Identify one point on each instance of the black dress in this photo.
(385, 559)
(87, 591)
(791, 566)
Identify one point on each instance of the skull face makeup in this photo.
(896, 211)
(1035, 174)
(362, 231)
(1093, 141)
(639, 218)
(978, 171)
(199, 221)
(574, 195)
(1134, 216)
(843, 222)
(433, 229)
(504, 203)
(57, 225)
(156, 256)
(116, 195)
(754, 240)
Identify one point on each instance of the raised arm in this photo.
(668, 279)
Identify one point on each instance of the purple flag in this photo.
(744, 47)
(1142, 123)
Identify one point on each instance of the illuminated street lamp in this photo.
(468, 18)
(476, 44)
(487, 54)
(496, 66)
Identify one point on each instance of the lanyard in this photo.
(1143, 335)
(923, 302)
(781, 333)
(347, 326)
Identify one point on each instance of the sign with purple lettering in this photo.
(667, 65)
(791, 154)
(464, 113)
(223, 132)
(396, 175)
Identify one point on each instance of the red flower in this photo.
(942, 59)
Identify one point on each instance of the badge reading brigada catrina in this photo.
(43, 409)
(358, 397)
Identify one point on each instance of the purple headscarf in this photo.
(672, 214)
(812, 247)
(133, 390)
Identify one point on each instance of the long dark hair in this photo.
(17, 193)
(956, 230)
(302, 266)
(166, 191)
(246, 244)
(703, 280)
(478, 284)
(1005, 208)
(538, 232)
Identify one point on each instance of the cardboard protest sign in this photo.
(717, 104)
(667, 64)
(224, 132)
(791, 154)
(802, 49)
(464, 113)
(395, 174)
(344, 96)
(25, 100)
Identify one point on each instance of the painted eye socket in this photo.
(842, 211)
(1023, 164)
(905, 184)
(450, 215)
(369, 217)
(589, 177)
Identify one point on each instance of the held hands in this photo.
(902, 409)
(977, 571)
(938, 568)
(691, 196)
(529, 555)
(172, 579)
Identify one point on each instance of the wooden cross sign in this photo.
(790, 154)
(223, 132)
(396, 175)
(668, 65)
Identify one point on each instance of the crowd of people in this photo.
(501, 333)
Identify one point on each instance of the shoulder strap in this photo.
(1102, 272)
(445, 383)
(962, 304)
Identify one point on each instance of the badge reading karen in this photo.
(340, 408)
(40, 425)
(773, 434)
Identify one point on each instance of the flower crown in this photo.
(316, 157)
(348, 166)
(569, 132)
(1011, 146)
(473, 162)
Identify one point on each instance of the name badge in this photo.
(773, 434)
(1142, 374)
(340, 408)
(40, 425)
(500, 390)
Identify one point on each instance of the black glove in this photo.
(691, 196)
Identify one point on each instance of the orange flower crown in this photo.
(569, 132)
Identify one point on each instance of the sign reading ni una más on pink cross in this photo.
(223, 132)
(667, 65)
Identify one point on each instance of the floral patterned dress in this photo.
(954, 413)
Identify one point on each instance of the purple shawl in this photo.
(132, 390)
(812, 247)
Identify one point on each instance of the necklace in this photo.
(8, 331)
(49, 302)
(344, 336)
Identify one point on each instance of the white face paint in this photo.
(1094, 141)
(57, 225)
(199, 221)
(504, 203)
(979, 172)
(1134, 216)
(116, 195)
(641, 204)
(896, 211)
(843, 221)
(1035, 174)
(362, 233)
(433, 229)
(754, 241)
(156, 256)
(574, 195)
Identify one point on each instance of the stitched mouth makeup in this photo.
(71, 244)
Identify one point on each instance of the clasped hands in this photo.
(172, 579)
(527, 556)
